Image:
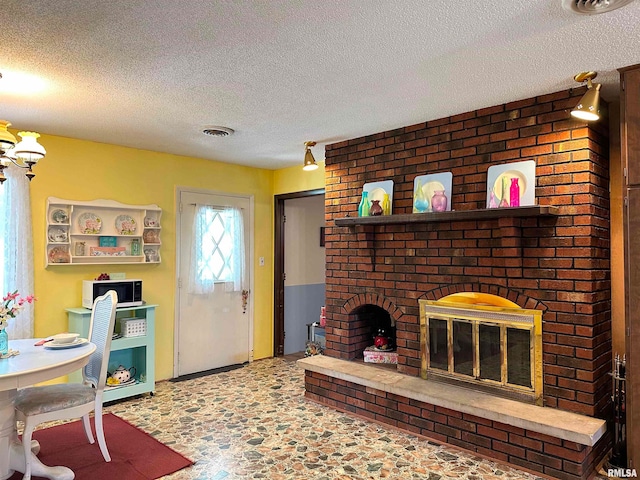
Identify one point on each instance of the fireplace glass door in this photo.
(463, 341)
(519, 357)
(499, 349)
(489, 352)
(439, 344)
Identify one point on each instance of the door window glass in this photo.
(218, 249)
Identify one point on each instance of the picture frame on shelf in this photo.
(377, 191)
(511, 185)
(430, 189)
(108, 241)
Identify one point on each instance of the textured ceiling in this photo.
(152, 74)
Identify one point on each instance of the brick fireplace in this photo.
(558, 264)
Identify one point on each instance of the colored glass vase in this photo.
(503, 195)
(376, 208)
(439, 201)
(514, 192)
(4, 342)
(135, 247)
(420, 202)
(365, 205)
(492, 200)
(386, 204)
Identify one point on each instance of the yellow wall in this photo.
(81, 170)
(294, 179)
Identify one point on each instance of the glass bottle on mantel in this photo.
(514, 192)
(492, 200)
(386, 204)
(503, 195)
(365, 205)
(420, 202)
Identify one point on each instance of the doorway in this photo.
(298, 275)
(214, 314)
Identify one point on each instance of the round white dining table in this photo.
(34, 364)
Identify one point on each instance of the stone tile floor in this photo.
(255, 422)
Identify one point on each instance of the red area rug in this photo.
(135, 455)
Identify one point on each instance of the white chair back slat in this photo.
(101, 329)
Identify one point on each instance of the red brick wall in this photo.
(527, 449)
(560, 265)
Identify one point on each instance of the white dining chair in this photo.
(35, 405)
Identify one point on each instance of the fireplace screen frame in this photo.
(488, 310)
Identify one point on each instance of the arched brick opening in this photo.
(524, 301)
(365, 314)
(372, 299)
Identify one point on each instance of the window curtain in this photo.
(217, 250)
(16, 235)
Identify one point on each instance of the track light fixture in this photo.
(309, 161)
(588, 108)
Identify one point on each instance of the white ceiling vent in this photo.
(591, 7)
(216, 131)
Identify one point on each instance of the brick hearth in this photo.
(558, 443)
(559, 265)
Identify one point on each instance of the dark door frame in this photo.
(278, 263)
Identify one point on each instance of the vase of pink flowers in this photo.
(12, 304)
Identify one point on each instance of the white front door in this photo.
(212, 330)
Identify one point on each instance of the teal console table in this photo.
(137, 352)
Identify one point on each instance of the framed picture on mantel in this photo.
(432, 193)
(511, 185)
(377, 191)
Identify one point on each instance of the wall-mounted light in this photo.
(309, 161)
(588, 108)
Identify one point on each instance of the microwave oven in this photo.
(129, 291)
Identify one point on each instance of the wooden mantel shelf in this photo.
(460, 215)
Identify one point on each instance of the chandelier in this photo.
(24, 154)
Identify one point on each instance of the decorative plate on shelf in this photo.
(59, 255)
(151, 236)
(57, 235)
(89, 223)
(59, 216)
(150, 222)
(125, 225)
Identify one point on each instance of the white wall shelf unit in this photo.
(101, 232)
